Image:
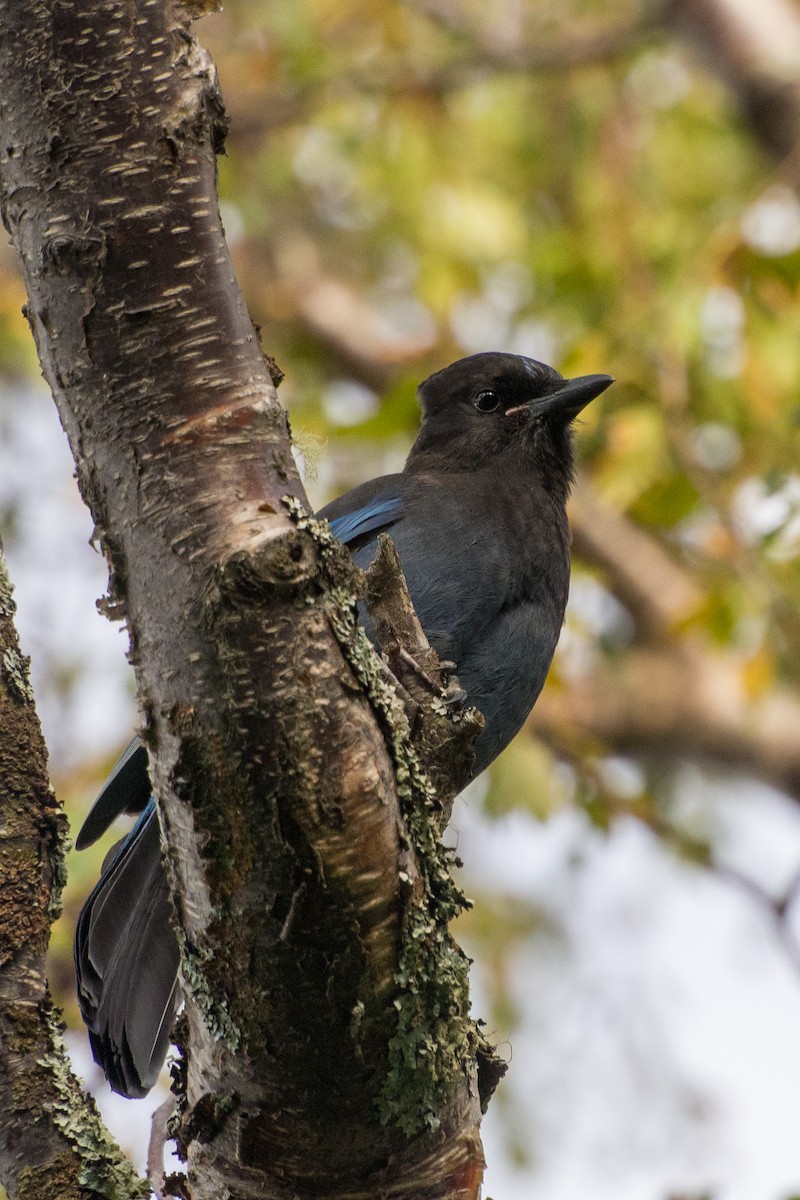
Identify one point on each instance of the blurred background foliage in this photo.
(607, 187)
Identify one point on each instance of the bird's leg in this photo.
(453, 694)
(449, 690)
(411, 706)
(409, 660)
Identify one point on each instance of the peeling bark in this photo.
(324, 994)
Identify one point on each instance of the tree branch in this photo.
(676, 702)
(587, 44)
(336, 314)
(658, 593)
(445, 732)
(756, 50)
(52, 1143)
(577, 48)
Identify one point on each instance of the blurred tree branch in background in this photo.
(756, 50)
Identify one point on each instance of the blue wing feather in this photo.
(373, 506)
(379, 513)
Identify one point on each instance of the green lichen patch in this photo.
(7, 605)
(219, 1021)
(104, 1169)
(15, 671)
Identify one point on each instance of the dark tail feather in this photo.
(127, 789)
(126, 960)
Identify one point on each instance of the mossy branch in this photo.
(53, 1145)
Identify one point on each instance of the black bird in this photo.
(478, 518)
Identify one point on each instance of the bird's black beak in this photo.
(569, 398)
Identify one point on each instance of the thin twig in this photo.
(159, 1135)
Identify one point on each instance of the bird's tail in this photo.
(126, 961)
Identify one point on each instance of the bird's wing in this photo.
(127, 790)
(368, 509)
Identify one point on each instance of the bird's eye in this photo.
(486, 402)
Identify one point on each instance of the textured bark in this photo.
(52, 1144)
(328, 1048)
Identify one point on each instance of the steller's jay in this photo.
(478, 518)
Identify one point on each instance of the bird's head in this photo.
(490, 404)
